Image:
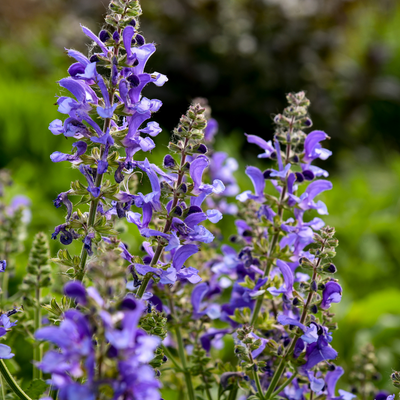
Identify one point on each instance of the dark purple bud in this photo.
(158, 373)
(314, 286)
(273, 155)
(233, 239)
(202, 149)
(134, 80)
(331, 367)
(65, 237)
(295, 159)
(330, 268)
(307, 122)
(267, 173)
(165, 359)
(139, 39)
(128, 303)
(76, 290)
(94, 58)
(104, 36)
(177, 211)
(149, 308)
(132, 22)
(194, 209)
(296, 301)
(169, 161)
(183, 188)
(314, 309)
(308, 175)
(286, 341)
(112, 352)
(247, 233)
(147, 260)
(116, 36)
(135, 63)
(321, 286)
(299, 177)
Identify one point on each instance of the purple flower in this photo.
(196, 171)
(76, 290)
(319, 351)
(3, 265)
(92, 36)
(312, 147)
(306, 200)
(89, 173)
(316, 384)
(5, 352)
(210, 130)
(257, 178)
(288, 278)
(267, 146)
(62, 198)
(331, 294)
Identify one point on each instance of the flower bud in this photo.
(104, 36)
(314, 286)
(308, 175)
(201, 148)
(330, 268)
(299, 177)
(267, 174)
(116, 36)
(314, 309)
(140, 40)
(169, 161)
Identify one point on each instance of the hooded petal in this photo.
(331, 294)
(196, 170)
(182, 254)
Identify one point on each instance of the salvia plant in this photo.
(129, 322)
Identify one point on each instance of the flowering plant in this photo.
(131, 322)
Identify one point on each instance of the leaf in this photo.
(36, 388)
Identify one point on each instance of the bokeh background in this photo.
(244, 56)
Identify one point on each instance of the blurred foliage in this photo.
(243, 55)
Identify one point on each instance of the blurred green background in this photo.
(244, 56)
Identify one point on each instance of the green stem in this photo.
(181, 349)
(171, 357)
(256, 378)
(182, 356)
(3, 392)
(258, 384)
(37, 349)
(53, 394)
(277, 391)
(4, 287)
(11, 382)
(208, 393)
(233, 393)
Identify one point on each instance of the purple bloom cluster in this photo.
(129, 348)
(271, 288)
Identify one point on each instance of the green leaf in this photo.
(36, 388)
